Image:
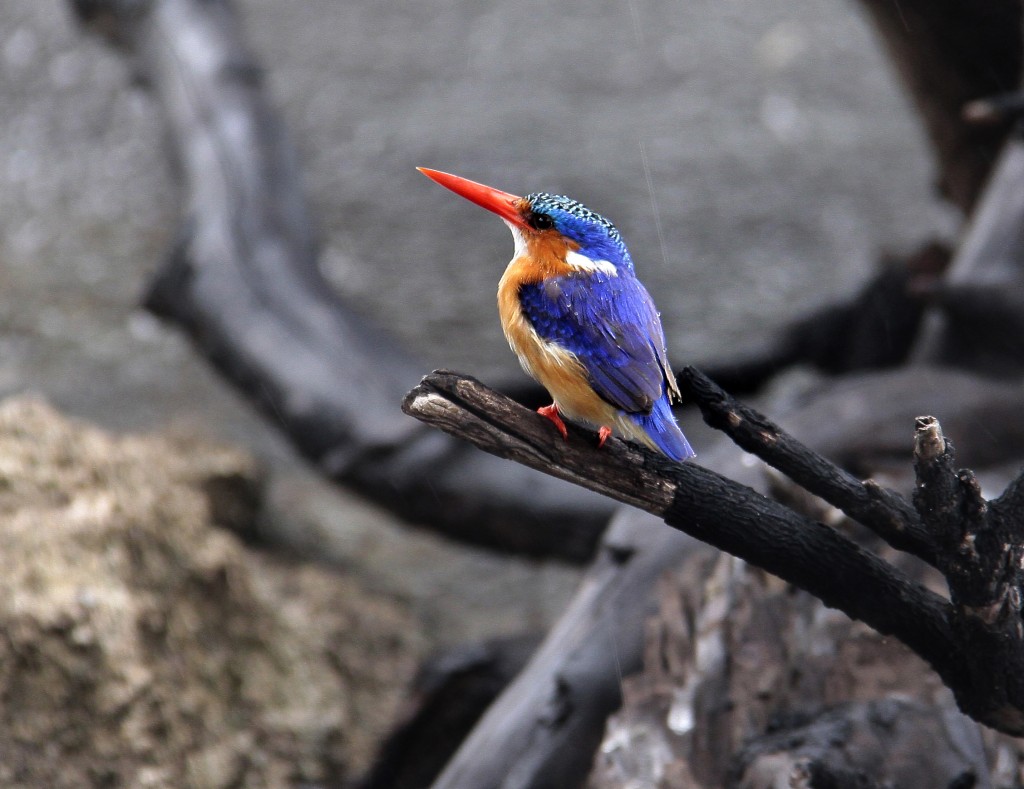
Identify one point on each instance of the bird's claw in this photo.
(602, 435)
(551, 412)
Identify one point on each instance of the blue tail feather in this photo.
(660, 425)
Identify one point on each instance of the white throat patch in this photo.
(517, 238)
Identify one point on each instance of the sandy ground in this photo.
(756, 154)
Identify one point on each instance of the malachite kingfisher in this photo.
(579, 320)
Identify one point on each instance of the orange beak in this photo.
(503, 204)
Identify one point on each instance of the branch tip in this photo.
(929, 443)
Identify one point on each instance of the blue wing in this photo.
(611, 325)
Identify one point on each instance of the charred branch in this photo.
(975, 644)
(450, 694)
(883, 511)
(811, 696)
(875, 329)
(1003, 108)
(545, 726)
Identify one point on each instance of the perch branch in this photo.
(977, 652)
(700, 502)
(883, 511)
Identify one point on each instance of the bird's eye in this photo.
(540, 221)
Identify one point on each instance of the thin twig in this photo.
(978, 651)
(884, 511)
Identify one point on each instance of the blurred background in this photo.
(756, 154)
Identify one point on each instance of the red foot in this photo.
(602, 435)
(551, 412)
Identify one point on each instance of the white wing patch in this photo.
(583, 263)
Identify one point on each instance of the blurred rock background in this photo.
(143, 645)
(757, 156)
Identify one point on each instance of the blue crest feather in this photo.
(597, 237)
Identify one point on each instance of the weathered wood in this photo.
(243, 282)
(978, 654)
(542, 731)
(748, 683)
(883, 511)
(982, 557)
(448, 697)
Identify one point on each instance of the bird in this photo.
(580, 321)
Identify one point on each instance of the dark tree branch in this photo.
(545, 726)
(961, 63)
(883, 511)
(979, 312)
(1001, 108)
(976, 646)
(874, 329)
(938, 495)
(949, 53)
(981, 547)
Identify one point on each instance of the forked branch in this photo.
(974, 642)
